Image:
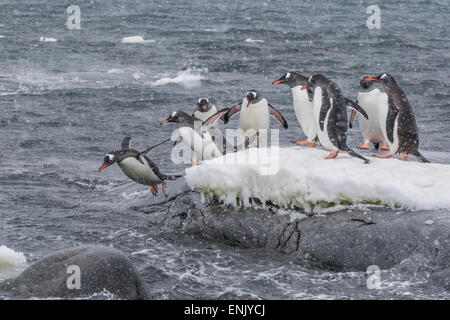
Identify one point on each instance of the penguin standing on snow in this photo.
(138, 167)
(396, 118)
(303, 106)
(330, 115)
(370, 97)
(255, 111)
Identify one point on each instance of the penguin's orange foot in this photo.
(163, 188)
(384, 147)
(365, 146)
(301, 143)
(154, 190)
(384, 156)
(405, 158)
(313, 144)
(193, 163)
(332, 155)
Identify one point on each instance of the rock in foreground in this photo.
(102, 270)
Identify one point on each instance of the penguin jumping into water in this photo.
(369, 97)
(198, 140)
(396, 118)
(303, 106)
(330, 115)
(255, 111)
(138, 167)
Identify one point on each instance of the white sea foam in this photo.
(11, 263)
(45, 39)
(306, 180)
(253, 40)
(136, 39)
(189, 78)
(1, 36)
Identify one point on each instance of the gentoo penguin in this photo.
(197, 138)
(397, 119)
(254, 114)
(205, 109)
(330, 115)
(370, 93)
(303, 107)
(138, 167)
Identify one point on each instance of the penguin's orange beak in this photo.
(278, 82)
(249, 103)
(305, 86)
(165, 121)
(103, 167)
(370, 79)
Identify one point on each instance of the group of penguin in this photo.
(385, 116)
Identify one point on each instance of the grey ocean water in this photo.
(64, 104)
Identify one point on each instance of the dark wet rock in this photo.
(349, 240)
(102, 270)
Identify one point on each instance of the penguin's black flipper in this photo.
(274, 112)
(390, 121)
(152, 147)
(126, 143)
(356, 155)
(176, 141)
(355, 106)
(231, 111)
(208, 123)
(352, 119)
(326, 105)
(310, 92)
(421, 157)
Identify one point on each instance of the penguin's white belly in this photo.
(138, 172)
(304, 112)
(201, 148)
(205, 115)
(324, 139)
(371, 128)
(383, 110)
(255, 117)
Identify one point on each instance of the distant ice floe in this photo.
(189, 78)
(253, 41)
(45, 39)
(135, 39)
(301, 178)
(1, 36)
(11, 263)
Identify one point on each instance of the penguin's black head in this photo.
(110, 158)
(174, 117)
(252, 97)
(292, 79)
(387, 79)
(367, 82)
(177, 117)
(203, 105)
(316, 80)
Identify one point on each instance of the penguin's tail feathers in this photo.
(356, 155)
(376, 145)
(421, 157)
(171, 177)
